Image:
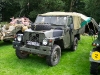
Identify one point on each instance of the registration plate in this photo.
(33, 43)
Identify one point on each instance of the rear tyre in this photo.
(22, 54)
(75, 44)
(94, 68)
(54, 57)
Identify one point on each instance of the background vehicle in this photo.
(17, 25)
(51, 32)
(95, 55)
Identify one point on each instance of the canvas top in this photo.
(64, 14)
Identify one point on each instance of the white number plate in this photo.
(33, 43)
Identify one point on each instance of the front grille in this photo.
(33, 37)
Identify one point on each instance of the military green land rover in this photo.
(49, 34)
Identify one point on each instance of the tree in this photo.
(1, 6)
(30, 8)
(77, 6)
(10, 8)
(93, 9)
(40, 6)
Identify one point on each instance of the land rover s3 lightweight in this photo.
(49, 34)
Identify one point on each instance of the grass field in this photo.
(71, 63)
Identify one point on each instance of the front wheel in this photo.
(22, 54)
(94, 68)
(54, 57)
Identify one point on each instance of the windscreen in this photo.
(51, 20)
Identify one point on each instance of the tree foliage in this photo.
(30, 8)
(93, 9)
(46, 6)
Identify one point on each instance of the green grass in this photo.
(71, 63)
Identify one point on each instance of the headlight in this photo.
(45, 42)
(19, 37)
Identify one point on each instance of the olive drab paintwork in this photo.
(50, 33)
(17, 25)
(66, 34)
(62, 30)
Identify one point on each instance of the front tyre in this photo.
(22, 54)
(94, 68)
(54, 57)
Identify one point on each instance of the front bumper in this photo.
(44, 50)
